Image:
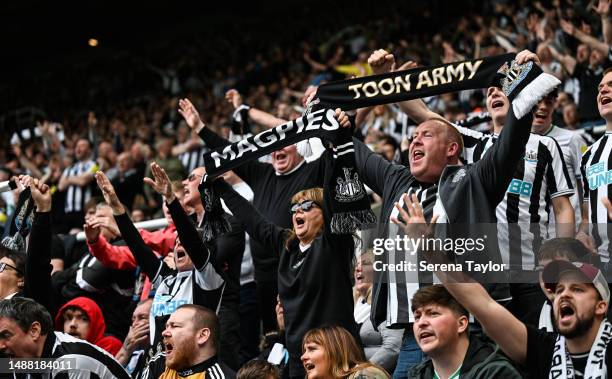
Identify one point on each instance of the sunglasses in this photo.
(304, 205)
(191, 177)
(4, 265)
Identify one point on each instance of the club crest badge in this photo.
(349, 189)
(513, 75)
(531, 156)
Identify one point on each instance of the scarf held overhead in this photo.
(523, 84)
(358, 93)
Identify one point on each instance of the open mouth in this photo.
(605, 100)
(417, 155)
(566, 311)
(180, 254)
(299, 221)
(497, 104)
(309, 366)
(425, 335)
(280, 156)
(540, 115)
(168, 348)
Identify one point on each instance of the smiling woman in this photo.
(332, 352)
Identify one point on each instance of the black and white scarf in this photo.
(21, 222)
(596, 368)
(387, 88)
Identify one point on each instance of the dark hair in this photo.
(388, 140)
(437, 294)
(25, 312)
(205, 318)
(569, 248)
(18, 257)
(93, 202)
(258, 369)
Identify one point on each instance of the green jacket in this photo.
(482, 361)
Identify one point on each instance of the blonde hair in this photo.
(314, 194)
(344, 355)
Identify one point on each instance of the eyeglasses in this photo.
(304, 205)
(4, 265)
(193, 176)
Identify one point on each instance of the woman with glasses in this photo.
(314, 272)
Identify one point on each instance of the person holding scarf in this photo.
(314, 275)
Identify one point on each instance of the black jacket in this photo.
(468, 196)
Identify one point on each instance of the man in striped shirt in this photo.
(26, 332)
(76, 181)
(597, 176)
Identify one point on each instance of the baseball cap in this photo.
(553, 271)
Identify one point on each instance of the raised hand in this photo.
(342, 118)
(161, 184)
(137, 337)
(40, 193)
(381, 62)
(190, 114)
(233, 97)
(567, 27)
(108, 191)
(602, 8)
(526, 56)
(414, 224)
(91, 232)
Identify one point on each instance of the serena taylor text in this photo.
(423, 266)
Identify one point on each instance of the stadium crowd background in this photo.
(123, 95)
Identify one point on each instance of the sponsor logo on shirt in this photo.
(598, 176)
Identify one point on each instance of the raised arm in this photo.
(567, 61)
(383, 62)
(591, 41)
(496, 168)
(258, 116)
(187, 232)
(603, 9)
(145, 257)
(38, 263)
(257, 226)
(246, 172)
(512, 338)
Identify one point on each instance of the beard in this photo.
(181, 357)
(581, 327)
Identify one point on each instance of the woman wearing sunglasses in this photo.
(314, 271)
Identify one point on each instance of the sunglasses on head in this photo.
(304, 205)
(4, 265)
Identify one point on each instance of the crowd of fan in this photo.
(163, 302)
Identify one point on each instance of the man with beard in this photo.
(581, 297)
(191, 342)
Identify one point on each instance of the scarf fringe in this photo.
(215, 226)
(14, 243)
(350, 222)
(533, 92)
(304, 148)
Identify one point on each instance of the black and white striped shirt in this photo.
(86, 361)
(572, 146)
(597, 176)
(524, 213)
(193, 158)
(77, 196)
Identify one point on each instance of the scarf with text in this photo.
(596, 368)
(523, 84)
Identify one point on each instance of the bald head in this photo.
(435, 145)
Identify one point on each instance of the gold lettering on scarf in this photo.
(428, 78)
